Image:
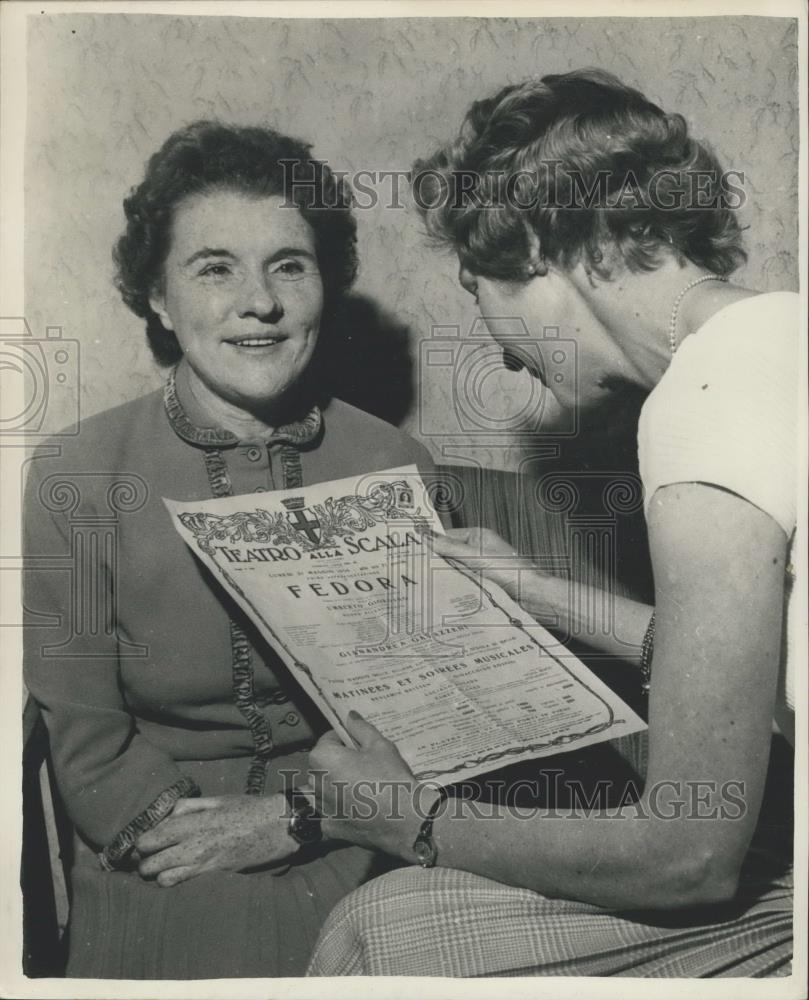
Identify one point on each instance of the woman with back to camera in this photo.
(690, 880)
(169, 747)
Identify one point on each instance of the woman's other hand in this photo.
(367, 795)
(226, 833)
(482, 550)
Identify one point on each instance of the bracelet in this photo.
(423, 846)
(646, 653)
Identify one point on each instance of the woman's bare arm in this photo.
(605, 621)
(719, 568)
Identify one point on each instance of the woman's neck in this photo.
(637, 307)
(205, 408)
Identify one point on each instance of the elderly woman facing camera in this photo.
(170, 721)
(688, 880)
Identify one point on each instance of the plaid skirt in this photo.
(444, 922)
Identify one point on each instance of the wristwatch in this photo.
(305, 820)
(424, 846)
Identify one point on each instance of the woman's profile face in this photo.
(565, 346)
(243, 294)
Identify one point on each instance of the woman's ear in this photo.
(157, 301)
(536, 261)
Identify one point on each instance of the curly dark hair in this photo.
(209, 155)
(584, 161)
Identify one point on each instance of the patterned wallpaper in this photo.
(106, 89)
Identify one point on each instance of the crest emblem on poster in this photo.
(303, 519)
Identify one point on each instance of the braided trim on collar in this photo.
(207, 437)
(298, 432)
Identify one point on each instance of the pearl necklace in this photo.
(679, 299)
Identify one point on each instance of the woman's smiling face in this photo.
(243, 294)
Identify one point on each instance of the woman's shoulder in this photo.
(95, 438)
(725, 411)
(358, 429)
(746, 350)
(763, 324)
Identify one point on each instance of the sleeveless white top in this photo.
(726, 413)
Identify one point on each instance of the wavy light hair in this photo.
(526, 158)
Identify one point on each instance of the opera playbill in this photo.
(341, 580)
